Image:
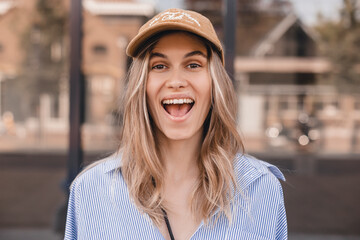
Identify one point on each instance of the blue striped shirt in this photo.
(100, 207)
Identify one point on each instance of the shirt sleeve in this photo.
(281, 224)
(281, 221)
(71, 218)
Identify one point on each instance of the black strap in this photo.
(168, 224)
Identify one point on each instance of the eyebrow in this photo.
(195, 53)
(190, 54)
(156, 54)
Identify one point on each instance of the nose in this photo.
(176, 80)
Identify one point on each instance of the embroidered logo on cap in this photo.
(168, 16)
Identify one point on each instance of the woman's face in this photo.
(179, 86)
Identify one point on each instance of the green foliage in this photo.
(340, 42)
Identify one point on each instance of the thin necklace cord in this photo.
(168, 224)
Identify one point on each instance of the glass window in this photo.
(99, 49)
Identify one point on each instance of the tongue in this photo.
(177, 110)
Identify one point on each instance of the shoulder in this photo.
(244, 162)
(97, 173)
(94, 204)
(259, 205)
(257, 175)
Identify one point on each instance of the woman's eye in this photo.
(193, 65)
(159, 67)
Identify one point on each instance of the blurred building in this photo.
(108, 26)
(286, 103)
(280, 76)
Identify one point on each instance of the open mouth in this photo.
(178, 107)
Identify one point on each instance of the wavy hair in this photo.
(141, 164)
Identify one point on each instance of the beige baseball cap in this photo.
(175, 19)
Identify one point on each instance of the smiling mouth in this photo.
(178, 107)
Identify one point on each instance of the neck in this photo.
(180, 157)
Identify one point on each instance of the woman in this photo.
(180, 172)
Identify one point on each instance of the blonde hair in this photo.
(141, 165)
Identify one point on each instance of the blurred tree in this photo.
(45, 61)
(340, 42)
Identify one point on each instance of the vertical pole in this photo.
(229, 26)
(76, 110)
(75, 154)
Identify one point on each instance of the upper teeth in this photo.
(177, 101)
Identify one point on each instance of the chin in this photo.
(180, 134)
(177, 135)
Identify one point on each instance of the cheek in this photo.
(151, 90)
(152, 86)
(149, 101)
(205, 88)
